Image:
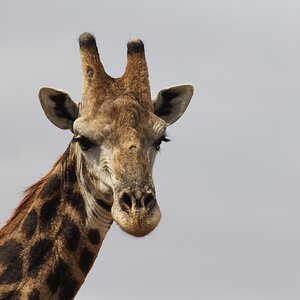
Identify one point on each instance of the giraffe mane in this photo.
(22, 209)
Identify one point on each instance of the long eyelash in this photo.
(165, 139)
(158, 142)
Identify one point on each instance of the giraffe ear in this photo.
(59, 108)
(171, 103)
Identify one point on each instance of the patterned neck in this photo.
(49, 245)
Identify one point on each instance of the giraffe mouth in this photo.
(136, 216)
(137, 224)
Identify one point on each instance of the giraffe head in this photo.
(117, 131)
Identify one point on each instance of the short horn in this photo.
(136, 76)
(94, 75)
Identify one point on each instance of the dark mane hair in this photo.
(26, 202)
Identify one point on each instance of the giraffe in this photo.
(51, 241)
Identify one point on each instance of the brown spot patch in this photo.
(70, 234)
(10, 258)
(30, 224)
(94, 236)
(86, 260)
(38, 254)
(76, 201)
(49, 211)
(51, 186)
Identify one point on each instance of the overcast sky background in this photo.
(227, 184)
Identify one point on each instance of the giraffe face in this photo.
(117, 149)
(116, 146)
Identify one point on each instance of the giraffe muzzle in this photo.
(136, 212)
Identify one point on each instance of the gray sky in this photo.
(227, 184)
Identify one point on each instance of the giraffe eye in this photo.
(84, 142)
(159, 141)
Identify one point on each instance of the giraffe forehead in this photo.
(125, 113)
(119, 117)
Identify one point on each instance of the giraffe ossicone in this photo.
(51, 241)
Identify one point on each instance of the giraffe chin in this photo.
(137, 222)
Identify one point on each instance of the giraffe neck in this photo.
(49, 245)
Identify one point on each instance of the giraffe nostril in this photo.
(126, 202)
(149, 201)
